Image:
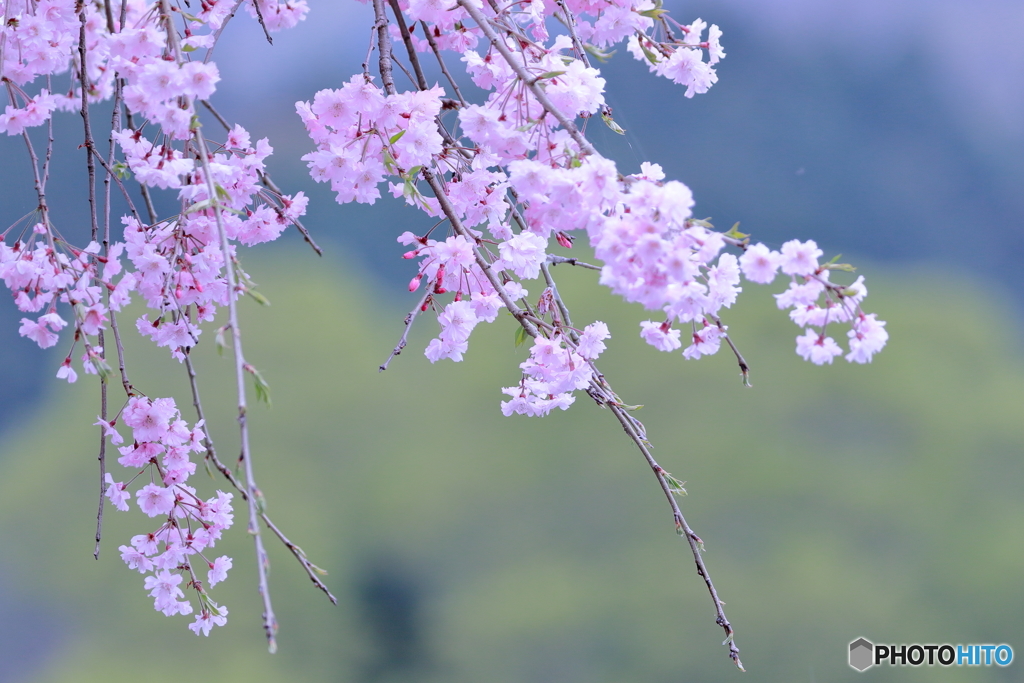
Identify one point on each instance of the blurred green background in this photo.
(836, 502)
(880, 501)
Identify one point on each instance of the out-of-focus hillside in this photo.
(878, 501)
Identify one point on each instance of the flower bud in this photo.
(564, 240)
(414, 283)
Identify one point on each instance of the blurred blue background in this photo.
(880, 501)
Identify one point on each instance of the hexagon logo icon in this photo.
(861, 654)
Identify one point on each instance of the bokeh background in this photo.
(880, 501)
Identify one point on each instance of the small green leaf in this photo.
(191, 17)
(200, 206)
(260, 299)
(597, 53)
(735, 233)
(103, 369)
(674, 485)
(188, 48)
(651, 57)
(610, 122)
(262, 388)
(396, 137)
(834, 259)
(547, 75)
(219, 340)
(521, 336)
(846, 267)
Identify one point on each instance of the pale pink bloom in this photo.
(66, 372)
(799, 258)
(867, 338)
(108, 430)
(660, 335)
(523, 254)
(591, 342)
(117, 493)
(155, 500)
(37, 332)
(759, 264)
(146, 544)
(457, 321)
(817, 348)
(140, 455)
(199, 79)
(206, 620)
(135, 559)
(149, 418)
(706, 342)
(219, 570)
(800, 295)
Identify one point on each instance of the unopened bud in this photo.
(414, 283)
(564, 240)
(411, 254)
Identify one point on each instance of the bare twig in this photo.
(408, 326)
(682, 528)
(211, 455)
(259, 16)
(262, 561)
(444, 69)
(421, 80)
(556, 260)
(744, 368)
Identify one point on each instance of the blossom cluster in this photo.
(362, 135)
(153, 59)
(189, 526)
(557, 366)
(513, 167)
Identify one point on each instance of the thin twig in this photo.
(259, 16)
(440, 61)
(599, 390)
(556, 260)
(421, 80)
(269, 184)
(524, 76)
(211, 455)
(408, 326)
(744, 368)
(262, 561)
(682, 528)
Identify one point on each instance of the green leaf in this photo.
(610, 122)
(735, 233)
(260, 299)
(396, 137)
(219, 340)
(651, 57)
(846, 267)
(521, 336)
(200, 206)
(597, 53)
(262, 388)
(653, 13)
(188, 48)
(834, 259)
(548, 74)
(674, 485)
